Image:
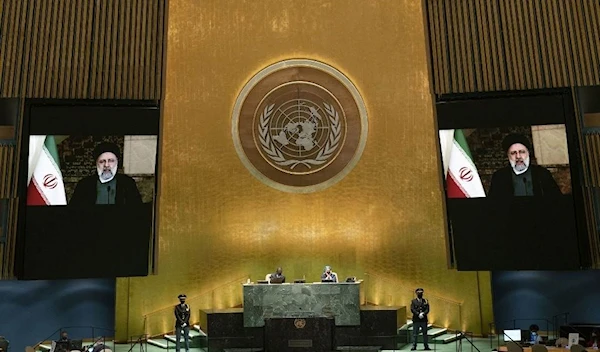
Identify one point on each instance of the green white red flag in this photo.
(45, 182)
(462, 178)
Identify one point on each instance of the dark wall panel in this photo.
(533, 295)
(32, 310)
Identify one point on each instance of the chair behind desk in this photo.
(513, 347)
(75, 345)
(561, 342)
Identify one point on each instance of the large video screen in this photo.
(509, 182)
(90, 184)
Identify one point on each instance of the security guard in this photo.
(419, 308)
(182, 323)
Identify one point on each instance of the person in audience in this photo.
(278, 274)
(4, 344)
(419, 308)
(63, 343)
(105, 185)
(182, 323)
(520, 178)
(593, 342)
(534, 336)
(328, 274)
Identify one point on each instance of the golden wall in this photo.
(217, 223)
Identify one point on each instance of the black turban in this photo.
(515, 138)
(107, 147)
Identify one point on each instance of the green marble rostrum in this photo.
(338, 300)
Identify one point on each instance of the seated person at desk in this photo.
(62, 344)
(329, 275)
(534, 337)
(277, 276)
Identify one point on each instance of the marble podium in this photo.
(340, 301)
(299, 334)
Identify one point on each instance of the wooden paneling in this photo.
(492, 45)
(7, 176)
(80, 49)
(592, 146)
(8, 195)
(591, 166)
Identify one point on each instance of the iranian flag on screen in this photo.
(45, 182)
(462, 178)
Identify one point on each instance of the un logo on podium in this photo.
(299, 125)
(299, 323)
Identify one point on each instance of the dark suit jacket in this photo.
(85, 191)
(417, 307)
(276, 276)
(543, 182)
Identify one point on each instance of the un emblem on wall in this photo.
(299, 125)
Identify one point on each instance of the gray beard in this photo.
(519, 168)
(106, 175)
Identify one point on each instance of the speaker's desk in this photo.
(326, 300)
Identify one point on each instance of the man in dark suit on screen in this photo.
(106, 186)
(520, 178)
(419, 308)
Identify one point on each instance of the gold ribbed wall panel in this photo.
(217, 222)
(591, 164)
(81, 49)
(491, 45)
(592, 144)
(7, 176)
(7, 249)
(8, 191)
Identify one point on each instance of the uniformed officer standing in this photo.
(182, 323)
(419, 308)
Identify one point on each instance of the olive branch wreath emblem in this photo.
(276, 155)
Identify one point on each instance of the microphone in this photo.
(108, 200)
(525, 184)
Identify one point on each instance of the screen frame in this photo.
(61, 110)
(453, 103)
(511, 332)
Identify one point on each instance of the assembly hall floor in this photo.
(479, 345)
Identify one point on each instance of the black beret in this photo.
(107, 147)
(515, 138)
